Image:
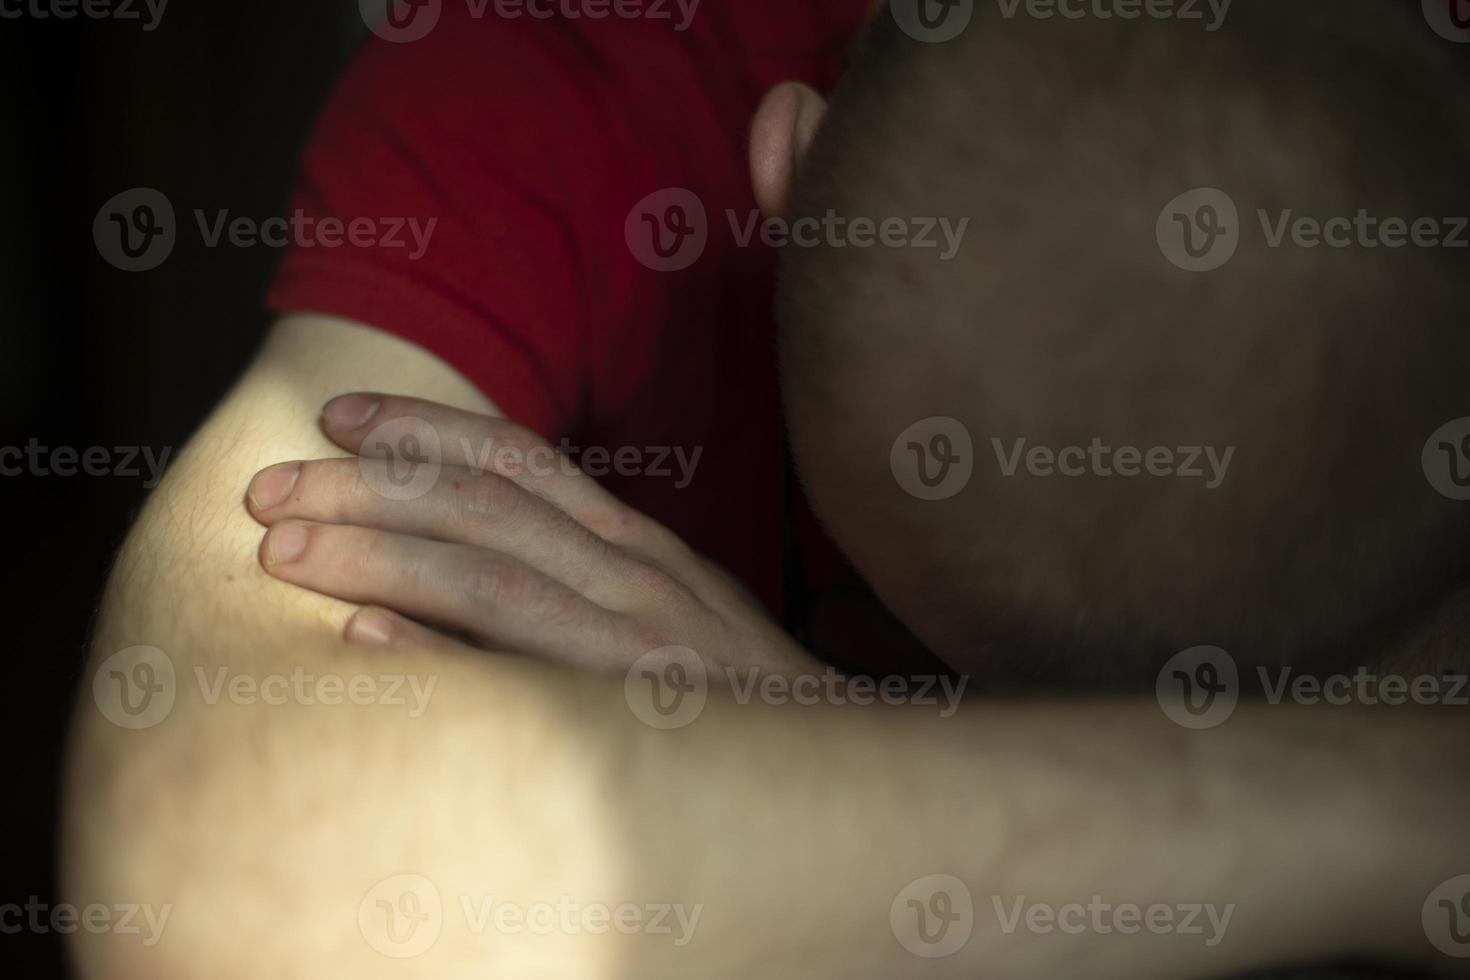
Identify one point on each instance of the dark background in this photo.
(211, 108)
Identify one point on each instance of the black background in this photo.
(211, 108)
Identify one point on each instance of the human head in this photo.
(1061, 320)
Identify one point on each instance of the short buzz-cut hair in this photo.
(1062, 320)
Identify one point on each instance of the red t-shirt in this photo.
(536, 144)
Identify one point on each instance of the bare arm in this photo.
(269, 830)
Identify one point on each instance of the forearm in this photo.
(266, 825)
(786, 835)
(1319, 833)
(264, 829)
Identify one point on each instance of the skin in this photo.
(794, 827)
(505, 548)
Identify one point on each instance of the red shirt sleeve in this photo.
(525, 152)
(462, 150)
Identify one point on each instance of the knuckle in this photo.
(512, 449)
(617, 524)
(482, 499)
(352, 477)
(662, 588)
(643, 636)
(653, 579)
(559, 609)
(509, 433)
(362, 550)
(496, 583)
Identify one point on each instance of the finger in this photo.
(403, 430)
(499, 602)
(484, 509)
(372, 626)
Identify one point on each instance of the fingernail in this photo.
(273, 485)
(286, 543)
(370, 627)
(349, 412)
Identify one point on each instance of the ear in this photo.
(783, 129)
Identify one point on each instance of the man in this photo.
(804, 833)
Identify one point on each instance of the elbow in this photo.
(121, 791)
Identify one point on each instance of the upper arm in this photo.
(246, 790)
(188, 576)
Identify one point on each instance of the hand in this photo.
(450, 523)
